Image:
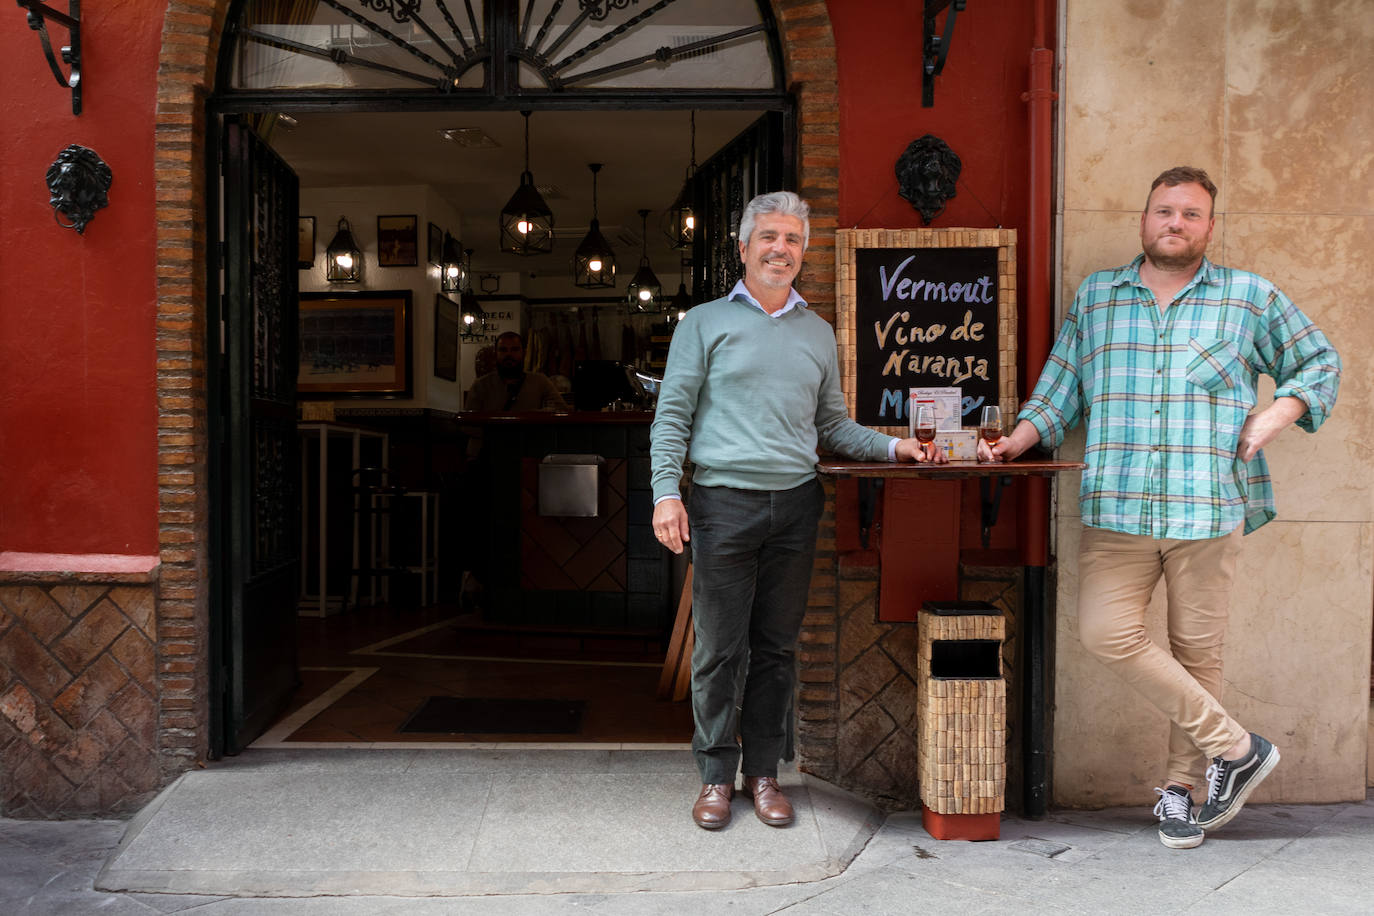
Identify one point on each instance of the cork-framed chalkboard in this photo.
(925, 308)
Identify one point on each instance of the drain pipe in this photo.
(1036, 695)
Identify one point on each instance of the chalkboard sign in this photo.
(926, 308)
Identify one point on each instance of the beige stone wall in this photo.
(1272, 97)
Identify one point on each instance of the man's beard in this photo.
(510, 373)
(1163, 261)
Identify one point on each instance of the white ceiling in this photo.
(644, 154)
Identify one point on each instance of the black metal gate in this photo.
(254, 453)
(753, 163)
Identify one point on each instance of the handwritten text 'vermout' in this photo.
(979, 290)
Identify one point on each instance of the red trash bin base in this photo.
(961, 826)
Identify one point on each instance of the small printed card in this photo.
(948, 403)
(958, 444)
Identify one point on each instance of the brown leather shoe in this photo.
(712, 810)
(771, 806)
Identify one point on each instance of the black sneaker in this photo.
(1230, 782)
(1177, 829)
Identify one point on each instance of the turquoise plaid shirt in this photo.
(1165, 397)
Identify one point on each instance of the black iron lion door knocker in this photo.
(79, 182)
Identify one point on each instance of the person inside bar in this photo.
(751, 386)
(511, 387)
(1161, 359)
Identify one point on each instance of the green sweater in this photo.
(747, 397)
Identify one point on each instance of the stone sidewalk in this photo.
(495, 833)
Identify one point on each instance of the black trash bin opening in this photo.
(965, 659)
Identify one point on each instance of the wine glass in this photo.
(925, 427)
(990, 426)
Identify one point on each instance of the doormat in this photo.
(481, 716)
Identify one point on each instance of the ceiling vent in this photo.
(469, 137)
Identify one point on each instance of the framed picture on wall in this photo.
(446, 324)
(397, 242)
(355, 344)
(436, 245)
(305, 242)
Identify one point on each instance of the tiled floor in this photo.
(364, 672)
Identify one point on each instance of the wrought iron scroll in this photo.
(552, 53)
(39, 16)
(934, 46)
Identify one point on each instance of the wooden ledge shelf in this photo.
(840, 468)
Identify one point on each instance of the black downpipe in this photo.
(1035, 696)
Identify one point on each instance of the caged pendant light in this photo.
(526, 220)
(644, 291)
(455, 271)
(343, 259)
(594, 262)
(679, 220)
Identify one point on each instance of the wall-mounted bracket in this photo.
(935, 46)
(40, 14)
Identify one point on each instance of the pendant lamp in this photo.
(474, 320)
(679, 220)
(526, 221)
(594, 262)
(644, 291)
(343, 260)
(677, 307)
(455, 270)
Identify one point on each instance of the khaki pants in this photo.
(1117, 573)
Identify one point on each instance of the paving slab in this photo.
(450, 822)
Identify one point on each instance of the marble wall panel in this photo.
(1144, 91)
(1288, 132)
(1320, 263)
(1299, 132)
(1298, 653)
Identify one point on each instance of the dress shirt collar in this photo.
(1206, 273)
(741, 292)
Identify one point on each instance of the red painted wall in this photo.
(78, 411)
(978, 111)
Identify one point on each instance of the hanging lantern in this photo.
(343, 260)
(455, 270)
(474, 320)
(594, 262)
(526, 220)
(644, 291)
(679, 220)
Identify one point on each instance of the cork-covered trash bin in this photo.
(961, 719)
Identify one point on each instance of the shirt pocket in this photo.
(1216, 364)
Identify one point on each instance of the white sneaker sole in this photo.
(1226, 816)
(1187, 842)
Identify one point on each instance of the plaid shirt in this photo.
(1165, 397)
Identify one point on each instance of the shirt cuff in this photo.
(669, 496)
(892, 449)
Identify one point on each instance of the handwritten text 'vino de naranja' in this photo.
(898, 326)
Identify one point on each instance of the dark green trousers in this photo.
(752, 552)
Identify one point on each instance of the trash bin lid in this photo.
(961, 608)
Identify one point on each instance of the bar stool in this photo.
(374, 501)
(379, 507)
(427, 556)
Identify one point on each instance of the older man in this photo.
(1161, 358)
(752, 386)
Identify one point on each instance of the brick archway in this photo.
(191, 36)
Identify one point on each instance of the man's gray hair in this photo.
(784, 203)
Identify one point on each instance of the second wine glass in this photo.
(990, 426)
